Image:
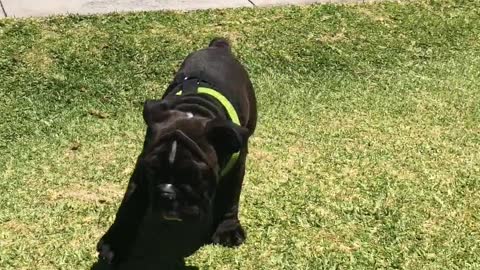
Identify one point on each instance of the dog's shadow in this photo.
(102, 265)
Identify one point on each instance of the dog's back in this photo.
(218, 66)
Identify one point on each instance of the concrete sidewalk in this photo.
(38, 8)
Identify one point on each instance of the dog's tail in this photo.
(220, 43)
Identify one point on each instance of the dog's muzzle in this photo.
(168, 195)
(167, 192)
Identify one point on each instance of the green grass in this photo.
(366, 156)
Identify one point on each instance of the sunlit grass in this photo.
(366, 154)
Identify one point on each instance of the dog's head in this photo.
(183, 156)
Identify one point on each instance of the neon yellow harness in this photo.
(232, 113)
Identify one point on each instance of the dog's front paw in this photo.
(229, 233)
(105, 251)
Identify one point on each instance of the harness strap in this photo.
(190, 86)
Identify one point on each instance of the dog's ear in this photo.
(153, 110)
(225, 136)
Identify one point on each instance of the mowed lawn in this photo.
(366, 156)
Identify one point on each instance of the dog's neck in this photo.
(199, 104)
(185, 94)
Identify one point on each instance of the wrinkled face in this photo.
(180, 167)
(181, 184)
(183, 154)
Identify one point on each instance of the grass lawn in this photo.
(366, 156)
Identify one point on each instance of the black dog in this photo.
(185, 189)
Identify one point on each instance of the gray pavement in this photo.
(39, 8)
(301, 2)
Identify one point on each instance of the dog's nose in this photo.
(167, 191)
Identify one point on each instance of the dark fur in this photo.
(206, 202)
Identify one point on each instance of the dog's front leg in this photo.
(117, 241)
(229, 231)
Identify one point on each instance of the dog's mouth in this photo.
(183, 205)
(180, 214)
(171, 216)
